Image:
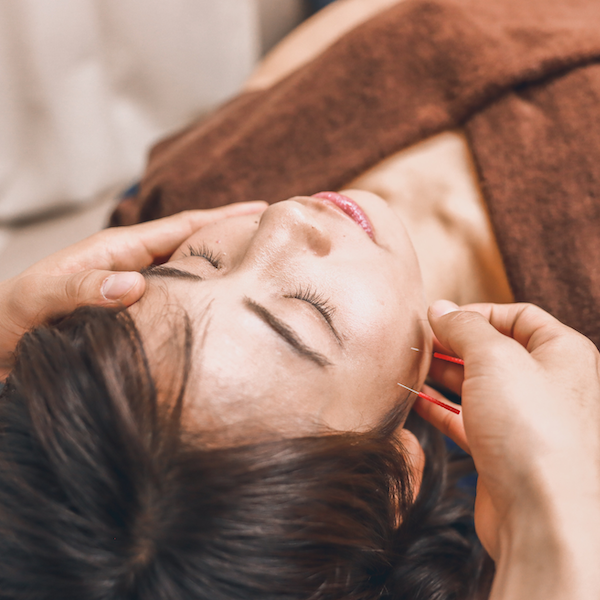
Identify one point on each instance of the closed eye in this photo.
(205, 252)
(318, 301)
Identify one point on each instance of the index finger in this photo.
(162, 237)
(137, 246)
(525, 323)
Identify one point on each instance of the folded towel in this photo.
(522, 78)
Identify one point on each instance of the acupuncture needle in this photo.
(452, 359)
(432, 399)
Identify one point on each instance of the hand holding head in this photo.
(99, 271)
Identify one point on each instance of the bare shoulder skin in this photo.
(312, 37)
(432, 186)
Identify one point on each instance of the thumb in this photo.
(32, 299)
(465, 333)
(124, 288)
(65, 293)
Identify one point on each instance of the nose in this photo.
(291, 225)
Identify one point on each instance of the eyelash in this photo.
(306, 294)
(206, 253)
(310, 295)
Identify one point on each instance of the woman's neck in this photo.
(433, 188)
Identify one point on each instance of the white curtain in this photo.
(87, 85)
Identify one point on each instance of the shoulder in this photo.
(312, 37)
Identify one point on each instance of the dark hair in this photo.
(105, 496)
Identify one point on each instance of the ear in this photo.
(415, 457)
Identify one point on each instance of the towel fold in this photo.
(522, 78)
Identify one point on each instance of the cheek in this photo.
(383, 327)
(380, 317)
(238, 380)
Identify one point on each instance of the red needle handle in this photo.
(439, 403)
(452, 359)
(432, 399)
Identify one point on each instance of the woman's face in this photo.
(301, 319)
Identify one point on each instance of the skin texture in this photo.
(530, 386)
(243, 370)
(432, 185)
(80, 275)
(98, 271)
(313, 36)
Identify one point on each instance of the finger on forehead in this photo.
(163, 236)
(137, 246)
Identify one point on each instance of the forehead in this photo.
(240, 368)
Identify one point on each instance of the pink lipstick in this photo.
(348, 206)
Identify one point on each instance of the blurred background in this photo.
(87, 86)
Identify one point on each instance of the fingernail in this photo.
(117, 285)
(442, 307)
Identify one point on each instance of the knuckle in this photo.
(76, 286)
(71, 289)
(465, 321)
(575, 343)
(181, 217)
(584, 349)
(531, 308)
(189, 218)
(529, 311)
(467, 317)
(578, 350)
(587, 346)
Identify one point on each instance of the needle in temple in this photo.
(432, 399)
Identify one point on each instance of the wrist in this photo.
(550, 552)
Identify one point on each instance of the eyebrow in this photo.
(286, 332)
(275, 323)
(162, 271)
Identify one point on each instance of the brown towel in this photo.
(518, 75)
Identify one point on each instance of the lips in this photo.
(348, 206)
